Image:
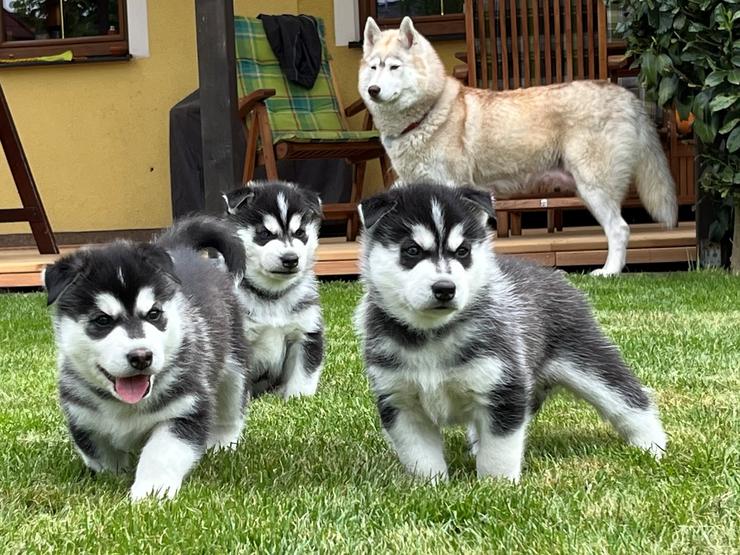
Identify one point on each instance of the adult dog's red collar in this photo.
(414, 125)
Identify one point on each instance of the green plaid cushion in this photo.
(295, 113)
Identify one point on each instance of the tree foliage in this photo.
(688, 52)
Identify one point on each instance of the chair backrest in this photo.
(512, 44)
(293, 108)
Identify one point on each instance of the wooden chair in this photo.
(516, 44)
(33, 209)
(284, 121)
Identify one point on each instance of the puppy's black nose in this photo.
(289, 260)
(444, 290)
(373, 91)
(140, 359)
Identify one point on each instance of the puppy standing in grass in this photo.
(278, 224)
(452, 335)
(151, 353)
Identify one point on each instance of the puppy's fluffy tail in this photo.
(654, 181)
(206, 232)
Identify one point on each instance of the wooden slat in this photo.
(494, 47)
(601, 25)
(514, 45)
(524, 17)
(568, 40)
(558, 42)
(578, 50)
(537, 51)
(548, 38)
(470, 44)
(504, 46)
(483, 57)
(634, 256)
(590, 38)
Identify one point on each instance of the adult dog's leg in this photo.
(606, 207)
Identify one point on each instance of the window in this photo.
(89, 28)
(441, 19)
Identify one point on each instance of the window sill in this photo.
(73, 62)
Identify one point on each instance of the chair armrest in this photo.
(462, 56)
(460, 72)
(247, 103)
(355, 108)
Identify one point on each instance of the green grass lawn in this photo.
(315, 474)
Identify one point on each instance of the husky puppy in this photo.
(278, 224)
(151, 354)
(589, 136)
(455, 335)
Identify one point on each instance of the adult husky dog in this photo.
(278, 224)
(151, 353)
(587, 135)
(455, 335)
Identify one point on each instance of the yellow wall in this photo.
(97, 135)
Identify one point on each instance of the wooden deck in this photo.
(582, 246)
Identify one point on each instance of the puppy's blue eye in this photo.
(462, 252)
(103, 320)
(412, 250)
(154, 314)
(300, 233)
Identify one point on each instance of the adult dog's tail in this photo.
(654, 181)
(207, 232)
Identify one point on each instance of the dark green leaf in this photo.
(667, 89)
(716, 232)
(649, 69)
(733, 141)
(733, 76)
(729, 125)
(715, 78)
(722, 101)
(703, 131)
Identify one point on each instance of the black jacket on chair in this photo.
(295, 41)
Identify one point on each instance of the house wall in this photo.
(96, 135)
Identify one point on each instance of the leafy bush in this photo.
(688, 52)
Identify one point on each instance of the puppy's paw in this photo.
(156, 489)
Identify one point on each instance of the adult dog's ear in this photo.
(482, 200)
(59, 276)
(158, 258)
(372, 33)
(234, 199)
(407, 33)
(373, 209)
(313, 202)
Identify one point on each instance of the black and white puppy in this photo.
(455, 335)
(151, 354)
(278, 224)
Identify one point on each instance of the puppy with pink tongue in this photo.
(151, 356)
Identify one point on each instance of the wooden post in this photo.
(219, 119)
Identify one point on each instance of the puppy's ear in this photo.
(482, 200)
(372, 33)
(158, 258)
(236, 198)
(59, 276)
(313, 202)
(372, 210)
(407, 33)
